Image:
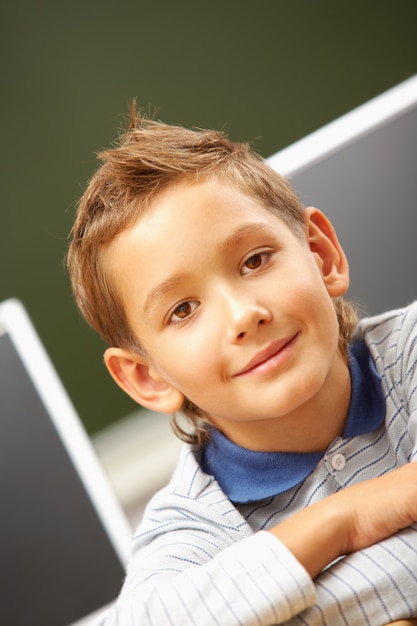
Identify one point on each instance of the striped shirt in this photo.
(199, 559)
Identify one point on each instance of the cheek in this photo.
(188, 360)
(303, 292)
(312, 301)
(314, 287)
(328, 324)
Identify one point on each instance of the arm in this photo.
(351, 519)
(377, 582)
(258, 580)
(376, 585)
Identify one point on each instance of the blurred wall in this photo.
(268, 72)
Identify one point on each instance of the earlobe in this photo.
(141, 382)
(325, 245)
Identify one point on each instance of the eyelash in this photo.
(264, 255)
(173, 320)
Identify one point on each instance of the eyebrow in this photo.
(172, 282)
(254, 228)
(161, 289)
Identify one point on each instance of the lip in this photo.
(268, 357)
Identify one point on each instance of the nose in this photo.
(245, 316)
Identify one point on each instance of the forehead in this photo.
(187, 213)
(197, 206)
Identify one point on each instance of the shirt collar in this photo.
(248, 476)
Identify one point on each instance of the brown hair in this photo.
(148, 157)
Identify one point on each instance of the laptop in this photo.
(361, 171)
(64, 539)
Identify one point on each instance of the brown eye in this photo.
(183, 310)
(254, 262)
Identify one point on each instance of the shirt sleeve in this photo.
(254, 582)
(407, 377)
(374, 586)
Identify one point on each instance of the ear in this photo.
(141, 382)
(330, 257)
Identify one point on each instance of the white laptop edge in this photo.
(15, 321)
(345, 129)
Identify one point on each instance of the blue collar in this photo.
(249, 476)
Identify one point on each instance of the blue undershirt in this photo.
(247, 475)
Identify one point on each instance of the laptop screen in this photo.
(59, 560)
(360, 170)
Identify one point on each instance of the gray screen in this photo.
(369, 189)
(57, 563)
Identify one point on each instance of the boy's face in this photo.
(233, 309)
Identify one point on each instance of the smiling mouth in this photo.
(267, 358)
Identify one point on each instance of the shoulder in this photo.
(193, 499)
(188, 522)
(392, 342)
(390, 329)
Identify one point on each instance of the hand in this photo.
(379, 508)
(351, 519)
(403, 622)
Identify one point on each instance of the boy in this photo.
(222, 301)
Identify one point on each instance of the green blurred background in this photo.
(268, 72)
